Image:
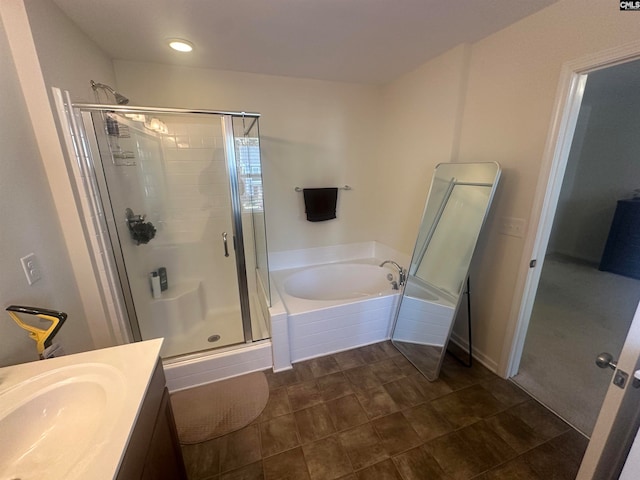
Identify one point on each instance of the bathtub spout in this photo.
(402, 273)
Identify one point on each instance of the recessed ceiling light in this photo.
(180, 45)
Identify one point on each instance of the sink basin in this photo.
(62, 417)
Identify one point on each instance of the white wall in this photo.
(420, 113)
(30, 224)
(68, 58)
(604, 168)
(313, 134)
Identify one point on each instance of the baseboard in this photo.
(477, 354)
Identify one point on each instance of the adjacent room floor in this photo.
(579, 312)
(368, 414)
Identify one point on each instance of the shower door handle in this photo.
(224, 241)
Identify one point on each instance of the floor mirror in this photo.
(457, 206)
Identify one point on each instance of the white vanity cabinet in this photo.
(153, 451)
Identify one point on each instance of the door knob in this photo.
(605, 360)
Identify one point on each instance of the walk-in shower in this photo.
(181, 196)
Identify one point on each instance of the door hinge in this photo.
(532, 263)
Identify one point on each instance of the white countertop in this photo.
(125, 372)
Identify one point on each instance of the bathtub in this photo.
(335, 307)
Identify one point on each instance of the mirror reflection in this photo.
(458, 202)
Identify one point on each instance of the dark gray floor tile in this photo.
(385, 470)
(405, 393)
(389, 349)
(430, 389)
(202, 460)
(304, 395)
(551, 463)
(372, 353)
(326, 459)
(469, 451)
(253, 471)
(240, 448)
(323, 366)
(466, 406)
(346, 412)
(334, 386)
(289, 465)
(363, 446)
(314, 423)
(377, 402)
(277, 405)
(427, 422)
(506, 391)
(362, 378)
(516, 469)
(418, 464)
(278, 435)
(396, 433)
(386, 371)
(541, 420)
(572, 443)
(303, 372)
(458, 376)
(520, 436)
(405, 366)
(349, 359)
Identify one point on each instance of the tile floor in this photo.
(368, 414)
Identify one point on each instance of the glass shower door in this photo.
(165, 179)
(251, 206)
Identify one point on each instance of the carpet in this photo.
(215, 409)
(579, 312)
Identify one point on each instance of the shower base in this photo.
(226, 324)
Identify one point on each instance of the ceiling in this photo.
(363, 41)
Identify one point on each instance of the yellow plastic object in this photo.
(39, 335)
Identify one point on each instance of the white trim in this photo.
(218, 365)
(478, 355)
(561, 130)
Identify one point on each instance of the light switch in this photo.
(31, 268)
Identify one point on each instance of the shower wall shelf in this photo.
(346, 187)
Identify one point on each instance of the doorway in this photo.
(584, 303)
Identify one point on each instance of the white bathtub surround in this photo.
(341, 327)
(423, 302)
(341, 299)
(198, 369)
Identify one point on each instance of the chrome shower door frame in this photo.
(236, 220)
(92, 144)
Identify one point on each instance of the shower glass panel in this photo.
(249, 167)
(165, 179)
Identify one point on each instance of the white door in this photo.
(619, 418)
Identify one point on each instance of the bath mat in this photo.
(212, 410)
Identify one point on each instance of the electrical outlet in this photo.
(31, 268)
(513, 227)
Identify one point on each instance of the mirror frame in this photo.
(420, 249)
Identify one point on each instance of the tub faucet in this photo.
(402, 273)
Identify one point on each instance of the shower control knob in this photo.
(605, 360)
(389, 276)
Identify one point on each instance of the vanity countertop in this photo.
(72, 416)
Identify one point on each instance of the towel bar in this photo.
(346, 187)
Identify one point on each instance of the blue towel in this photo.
(320, 203)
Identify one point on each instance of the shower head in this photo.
(120, 99)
